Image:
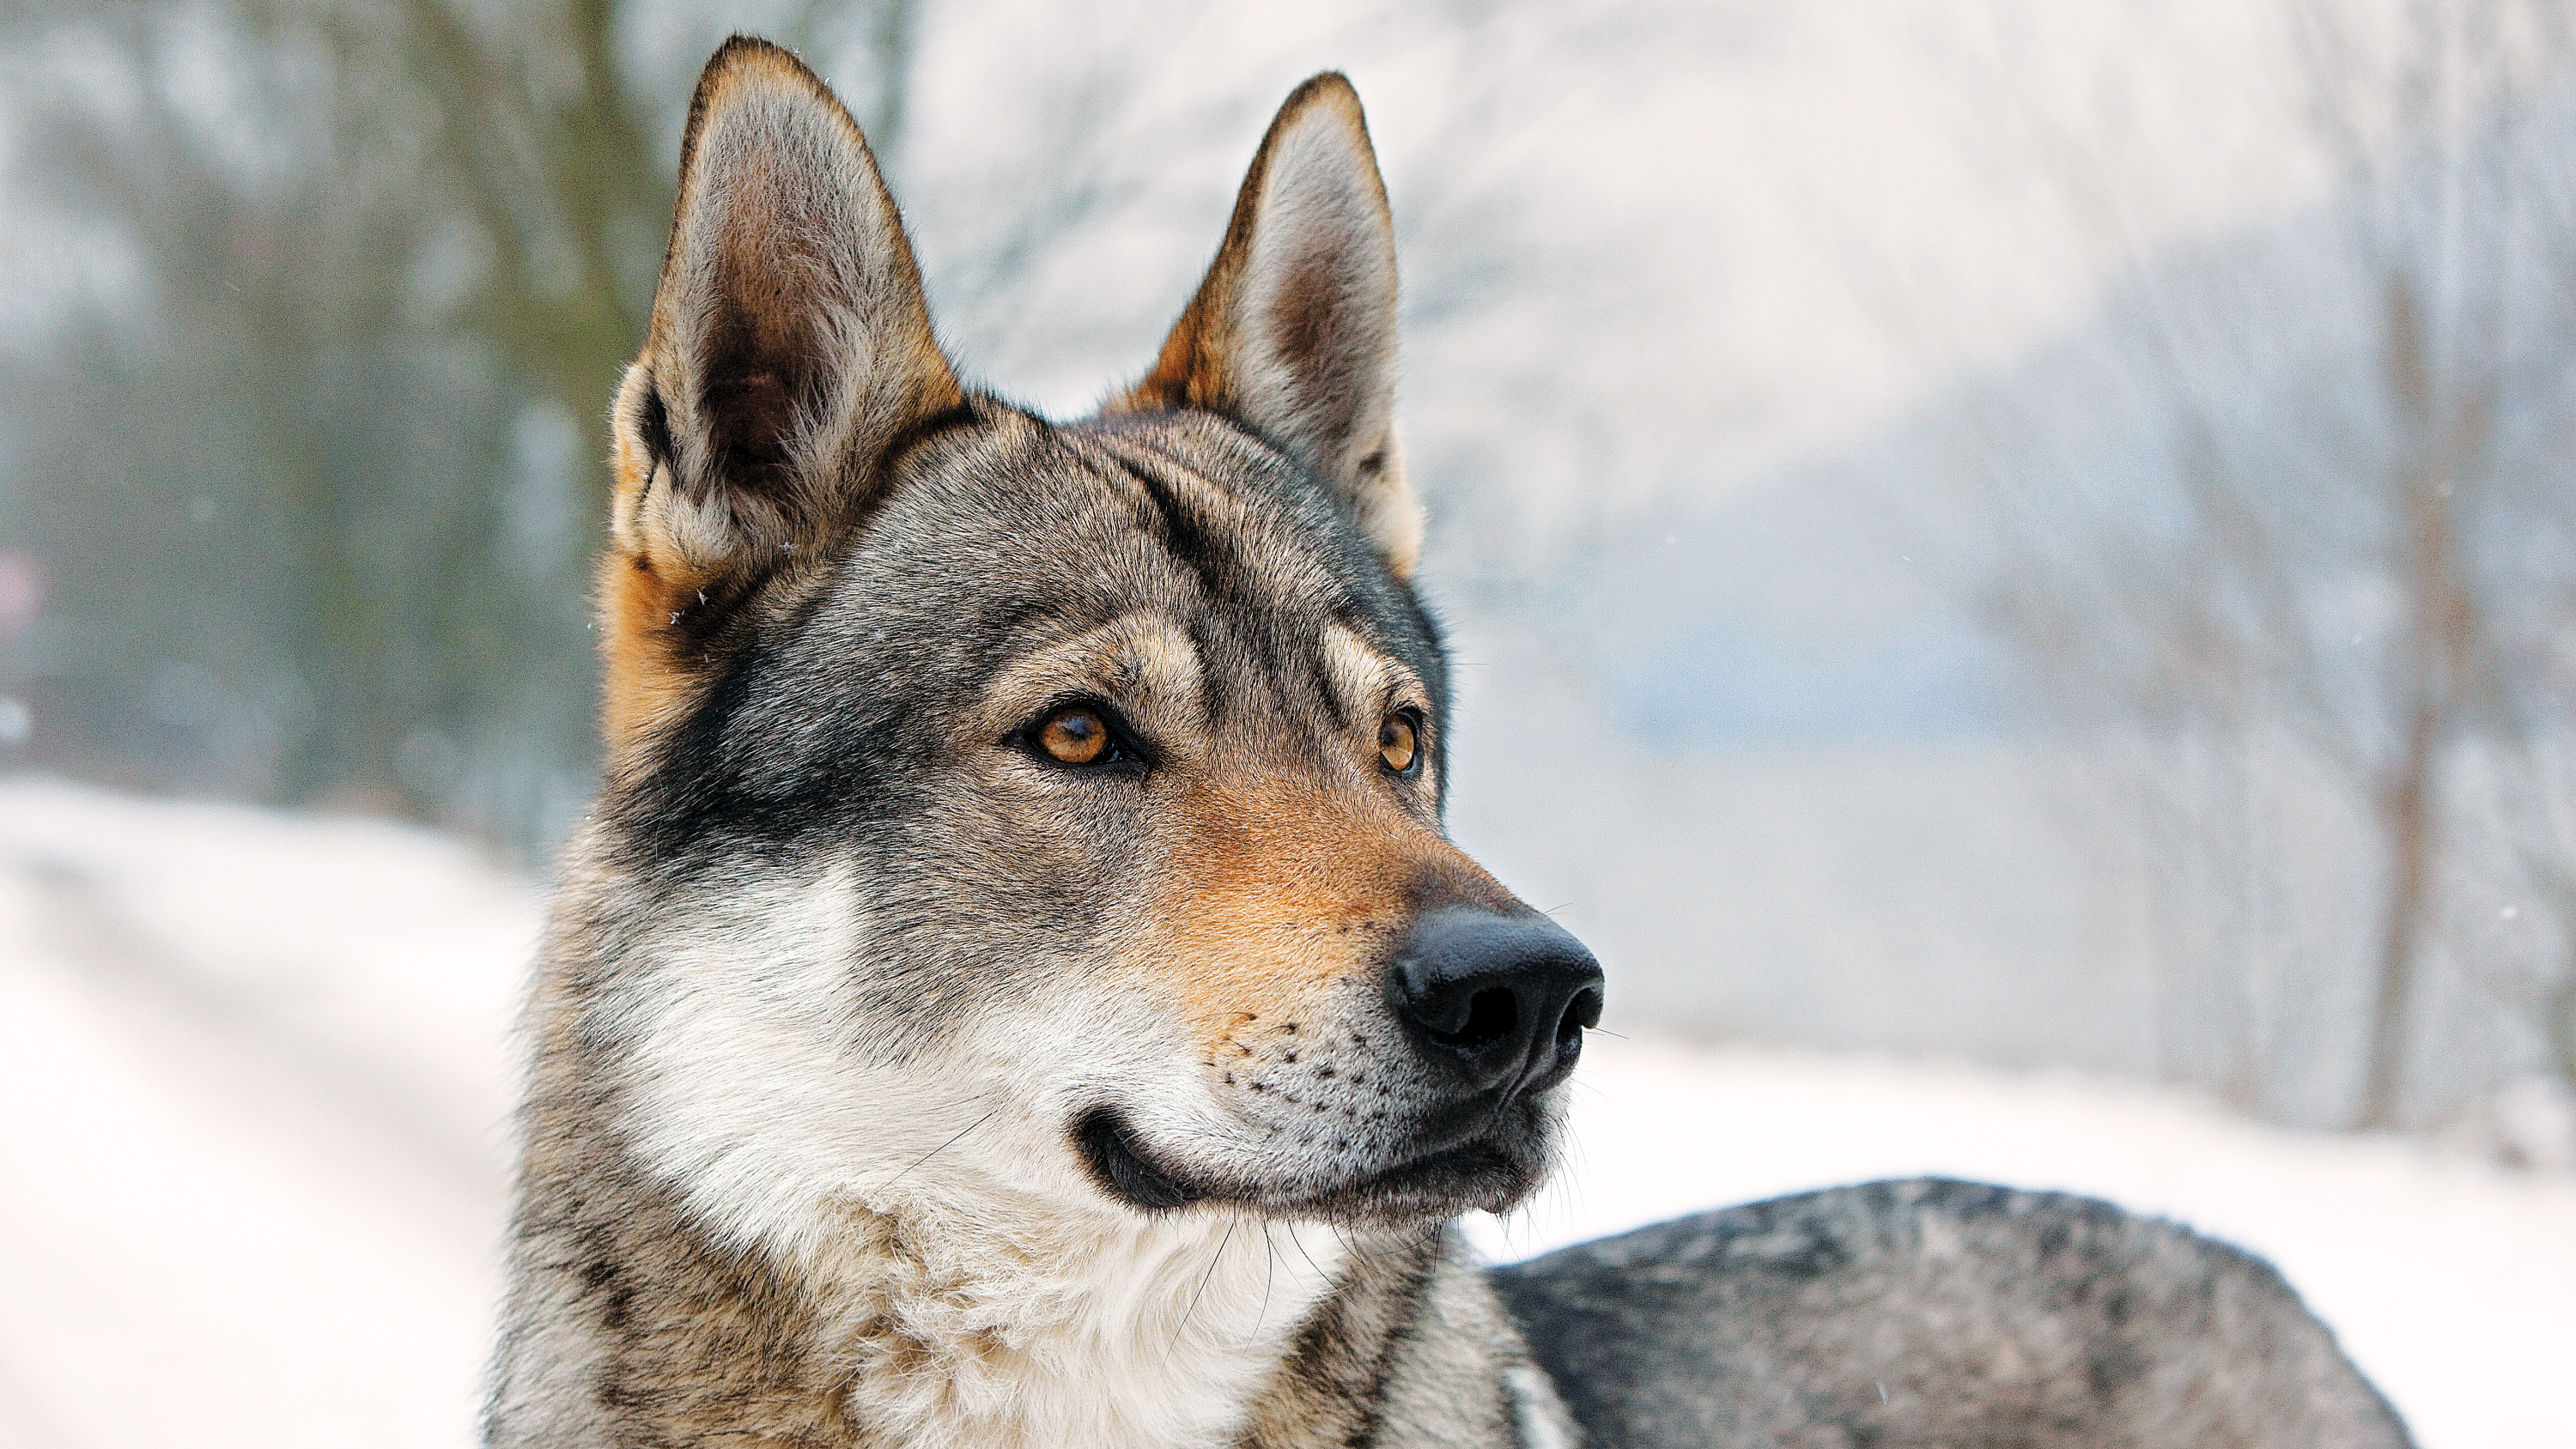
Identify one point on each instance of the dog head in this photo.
(1061, 801)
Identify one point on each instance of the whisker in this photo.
(1213, 1259)
(942, 1147)
(1299, 1244)
(1271, 1250)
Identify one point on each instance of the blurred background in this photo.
(2033, 536)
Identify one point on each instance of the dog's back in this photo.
(1905, 1315)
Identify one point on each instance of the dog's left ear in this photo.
(1293, 331)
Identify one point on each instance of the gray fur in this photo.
(1907, 1315)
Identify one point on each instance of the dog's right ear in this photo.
(1293, 330)
(790, 351)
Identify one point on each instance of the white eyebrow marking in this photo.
(1361, 676)
(1145, 660)
(1157, 655)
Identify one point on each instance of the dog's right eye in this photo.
(1077, 736)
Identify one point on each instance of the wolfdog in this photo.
(1015, 988)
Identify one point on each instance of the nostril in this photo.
(1494, 1001)
(1583, 1011)
(1492, 1015)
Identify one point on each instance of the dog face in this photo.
(1060, 802)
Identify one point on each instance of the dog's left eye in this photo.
(1399, 743)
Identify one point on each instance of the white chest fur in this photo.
(976, 1289)
(1052, 1333)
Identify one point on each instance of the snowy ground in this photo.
(255, 1088)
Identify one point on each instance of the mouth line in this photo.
(1478, 1171)
(1120, 1165)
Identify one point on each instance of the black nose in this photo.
(1496, 1001)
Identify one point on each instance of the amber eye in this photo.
(1075, 736)
(1395, 743)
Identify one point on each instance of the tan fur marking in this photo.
(644, 688)
(1280, 892)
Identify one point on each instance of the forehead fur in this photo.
(1003, 539)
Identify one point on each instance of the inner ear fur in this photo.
(790, 351)
(1293, 330)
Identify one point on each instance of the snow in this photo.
(256, 1140)
(256, 1068)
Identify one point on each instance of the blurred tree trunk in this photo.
(2336, 566)
(2435, 657)
(561, 180)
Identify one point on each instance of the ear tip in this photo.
(743, 43)
(741, 49)
(747, 62)
(744, 73)
(1320, 137)
(1326, 107)
(1324, 88)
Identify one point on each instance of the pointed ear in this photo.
(1293, 331)
(790, 342)
(790, 350)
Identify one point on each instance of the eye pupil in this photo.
(1395, 743)
(1075, 736)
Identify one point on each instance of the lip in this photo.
(1119, 1164)
(1481, 1172)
